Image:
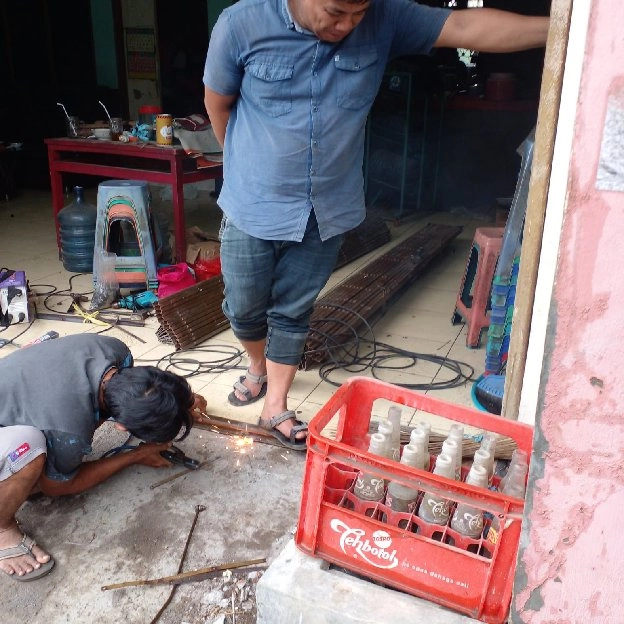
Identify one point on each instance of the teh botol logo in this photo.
(355, 540)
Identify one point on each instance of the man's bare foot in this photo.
(20, 564)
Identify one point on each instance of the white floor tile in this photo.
(418, 321)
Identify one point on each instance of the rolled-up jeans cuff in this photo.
(285, 347)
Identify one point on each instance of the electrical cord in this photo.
(54, 292)
(343, 354)
(379, 357)
(229, 357)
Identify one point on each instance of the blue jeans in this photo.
(271, 287)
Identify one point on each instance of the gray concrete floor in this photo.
(124, 530)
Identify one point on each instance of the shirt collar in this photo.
(289, 20)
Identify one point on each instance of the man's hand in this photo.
(148, 454)
(93, 472)
(199, 405)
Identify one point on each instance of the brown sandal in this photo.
(291, 441)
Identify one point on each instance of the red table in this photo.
(128, 161)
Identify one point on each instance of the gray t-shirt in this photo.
(54, 387)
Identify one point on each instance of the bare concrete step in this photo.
(299, 589)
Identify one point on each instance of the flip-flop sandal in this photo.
(246, 392)
(290, 441)
(25, 548)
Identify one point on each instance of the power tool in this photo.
(137, 301)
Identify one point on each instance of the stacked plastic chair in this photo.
(125, 226)
(473, 299)
(506, 273)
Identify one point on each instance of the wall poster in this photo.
(141, 54)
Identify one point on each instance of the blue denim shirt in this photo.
(295, 137)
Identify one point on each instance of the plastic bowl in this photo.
(102, 133)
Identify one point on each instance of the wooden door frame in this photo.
(548, 115)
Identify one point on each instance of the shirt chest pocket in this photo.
(357, 81)
(270, 86)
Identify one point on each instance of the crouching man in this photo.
(53, 396)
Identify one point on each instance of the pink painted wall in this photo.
(571, 562)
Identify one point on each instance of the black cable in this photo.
(185, 366)
(54, 292)
(379, 356)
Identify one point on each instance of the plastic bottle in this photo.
(369, 487)
(420, 438)
(401, 497)
(77, 233)
(434, 509)
(468, 520)
(394, 416)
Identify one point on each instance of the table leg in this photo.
(177, 188)
(56, 185)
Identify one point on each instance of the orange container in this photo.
(473, 576)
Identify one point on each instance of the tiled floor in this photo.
(418, 321)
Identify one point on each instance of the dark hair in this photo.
(151, 403)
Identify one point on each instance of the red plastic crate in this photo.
(473, 576)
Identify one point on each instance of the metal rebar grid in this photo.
(363, 297)
(370, 234)
(192, 315)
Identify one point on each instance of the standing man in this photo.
(53, 396)
(288, 87)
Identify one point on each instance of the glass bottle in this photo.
(468, 520)
(515, 489)
(401, 497)
(519, 462)
(434, 509)
(394, 416)
(450, 448)
(386, 428)
(488, 443)
(420, 438)
(456, 433)
(483, 458)
(370, 487)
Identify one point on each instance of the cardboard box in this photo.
(13, 298)
(200, 246)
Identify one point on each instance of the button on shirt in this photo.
(295, 136)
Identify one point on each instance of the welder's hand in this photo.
(199, 405)
(148, 454)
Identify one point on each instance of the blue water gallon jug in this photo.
(77, 233)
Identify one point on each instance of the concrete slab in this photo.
(299, 589)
